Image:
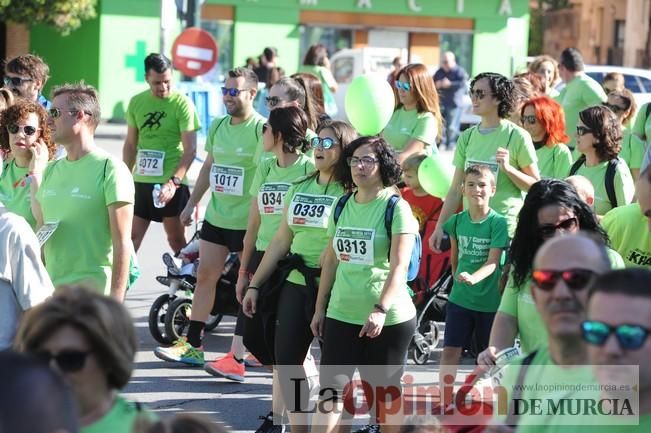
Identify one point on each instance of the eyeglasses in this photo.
(582, 130)
(576, 279)
(68, 361)
(365, 161)
(28, 130)
(323, 143)
(479, 94)
(272, 101)
(55, 113)
(629, 337)
(531, 120)
(15, 81)
(232, 91)
(614, 108)
(549, 230)
(401, 85)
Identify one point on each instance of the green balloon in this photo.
(369, 104)
(435, 176)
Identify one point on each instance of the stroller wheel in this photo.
(177, 319)
(157, 314)
(213, 322)
(418, 355)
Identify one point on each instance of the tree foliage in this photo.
(64, 15)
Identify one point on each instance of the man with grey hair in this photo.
(85, 200)
(450, 81)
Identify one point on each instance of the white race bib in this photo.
(227, 179)
(310, 210)
(271, 197)
(492, 165)
(46, 230)
(354, 245)
(150, 162)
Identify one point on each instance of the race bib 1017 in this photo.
(227, 179)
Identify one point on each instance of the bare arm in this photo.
(203, 181)
(120, 218)
(450, 206)
(130, 148)
(524, 177)
(189, 142)
(251, 234)
(487, 269)
(413, 146)
(401, 246)
(37, 166)
(36, 206)
(454, 255)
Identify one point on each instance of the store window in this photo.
(461, 45)
(222, 31)
(333, 38)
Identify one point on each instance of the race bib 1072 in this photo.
(310, 210)
(354, 245)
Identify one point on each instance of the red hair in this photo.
(551, 116)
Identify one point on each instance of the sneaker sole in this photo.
(214, 372)
(164, 357)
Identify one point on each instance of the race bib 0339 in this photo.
(271, 198)
(309, 210)
(354, 245)
(150, 162)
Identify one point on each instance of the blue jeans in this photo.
(452, 121)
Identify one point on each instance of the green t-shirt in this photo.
(361, 243)
(474, 241)
(160, 122)
(624, 186)
(236, 152)
(642, 125)
(554, 162)
(270, 185)
(629, 235)
(76, 194)
(580, 93)
(474, 147)
(15, 191)
(407, 125)
(308, 206)
(119, 419)
(633, 149)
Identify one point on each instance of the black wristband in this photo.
(380, 308)
(252, 287)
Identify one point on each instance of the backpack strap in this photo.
(512, 418)
(609, 181)
(339, 207)
(388, 219)
(577, 164)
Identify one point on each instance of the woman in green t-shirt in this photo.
(622, 103)
(416, 124)
(21, 126)
(302, 233)
(543, 118)
(91, 340)
(316, 62)
(364, 313)
(551, 207)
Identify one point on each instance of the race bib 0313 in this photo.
(150, 162)
(354, 245)
(310, 210)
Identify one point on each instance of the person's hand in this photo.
(317, 323)
(167, 191)
(40, 157)
(502, 158)
(487, 357)
(240, 287)
(249, 302)
(435, 240)
(374, 324)
(465, 277)
(444, 83)
(186, 214)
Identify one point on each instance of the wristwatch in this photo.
(176, 181)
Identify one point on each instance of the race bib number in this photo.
(353, 245)
(271, 198)
(492, 165)
(46, 231)
(150, 162)
(309, 210)
(227, 179)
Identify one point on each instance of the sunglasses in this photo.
(15, 81)
(614, 108)
(68, 361)
(272, 101)
(549, 230)
(232, 91)
(531, 120)
(582, 130)
(28, 130)
(323, 143)
(55, 113)
(401, 85)
(479, 94)
(575, 279)
(365, 161)
(629, 337)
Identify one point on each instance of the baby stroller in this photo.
(169, 315)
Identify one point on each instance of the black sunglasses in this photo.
(531, 120)
(15, 81)
(582, 130)
(479, 94)
(629, 337)
(272, 101)
(323, 143)
(549, 230)
(68, 361)
(27, 129)
(575, 279)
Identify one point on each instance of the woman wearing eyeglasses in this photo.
(90, 339)
(498, 143)
(543, 118)
(622, 103)
(302, 233)
(21, 127)
(416, 124)
(598, 139)
(364, 313)
(551, 207)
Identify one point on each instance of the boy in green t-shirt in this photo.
(478, 237)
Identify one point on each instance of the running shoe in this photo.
(172, 267)
(226, 367)
(268, 425)
(182, 352)
(252, 361)
(369, 428)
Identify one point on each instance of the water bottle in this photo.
(155, 193)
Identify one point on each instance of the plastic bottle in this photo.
(155, 193)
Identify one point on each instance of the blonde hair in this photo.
(535, 65)
(413, 161)
(427, 98)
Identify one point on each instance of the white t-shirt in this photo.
(24, 282)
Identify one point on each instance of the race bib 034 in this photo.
(271, 198)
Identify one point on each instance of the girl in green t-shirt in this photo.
(543, 118)
(302, 232)
(316, 62)
(416, 124)
(622, 103)
(21, 126)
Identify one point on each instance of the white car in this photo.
(636, 80)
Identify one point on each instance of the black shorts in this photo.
(231, 239)
(143, 206)
(460, 323)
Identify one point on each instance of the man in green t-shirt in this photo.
(85, 199)
(160, 146)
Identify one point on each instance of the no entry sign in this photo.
(194, 52)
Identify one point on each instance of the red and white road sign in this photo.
(194, 52)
